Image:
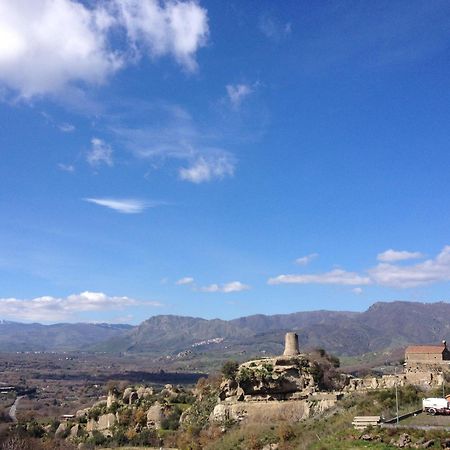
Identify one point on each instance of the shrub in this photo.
(229, 369)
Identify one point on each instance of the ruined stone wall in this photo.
(263, 412)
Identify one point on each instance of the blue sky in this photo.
(220, 159)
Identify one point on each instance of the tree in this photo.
(229, 369)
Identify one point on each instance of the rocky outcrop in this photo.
(281, 378)
(271, 389)
(144, 392)
(104, 422)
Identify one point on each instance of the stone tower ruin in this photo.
(291, 344)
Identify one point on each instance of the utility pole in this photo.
(396, 392)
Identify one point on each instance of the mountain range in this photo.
(385, 325)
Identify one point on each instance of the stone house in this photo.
(427, 354)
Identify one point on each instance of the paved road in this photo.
(13, 409)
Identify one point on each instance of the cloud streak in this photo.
(208, 168)
(336, 276)
(184, 281)
(305, 260)
(124, 206)
(49, 308)
(176, 140)
(396, 255)
(227, 288)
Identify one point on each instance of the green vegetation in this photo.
(229, 369)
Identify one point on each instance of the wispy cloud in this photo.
(49, 308)
(336, 276)
(233, 286)
(184, 281)
(208, 168)
(357, 290)
(396, 255)
(176, 139)
(305, 260)
(124, 205)
(66, 127)
(273, 28)
(66, 167)
(56, 44)
(100, 153)
(237, 93)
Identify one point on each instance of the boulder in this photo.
(82, 412)
(133, 398)
(106, 421)
(61, 429)
(155, 416)
(126, 394)
(75, 431)
(144, 392)
(403, 441)
(112, 398)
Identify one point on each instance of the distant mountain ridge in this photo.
(384, 325)
(23, 337)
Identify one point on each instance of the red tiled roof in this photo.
(425, 348)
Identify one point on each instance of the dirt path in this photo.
(13, 409)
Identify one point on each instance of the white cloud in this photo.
(66, 127)
(207, 168)
(66, 167)
(336, 276)
(48, 45)
(237, 92)
(49, 308)
(305, 260)
(357, 290)
(384, 274)
(184, 281)
(100, 153)
(430, 271)
(173, 27)
(233, 286)
(124, 206)
(398, 255)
